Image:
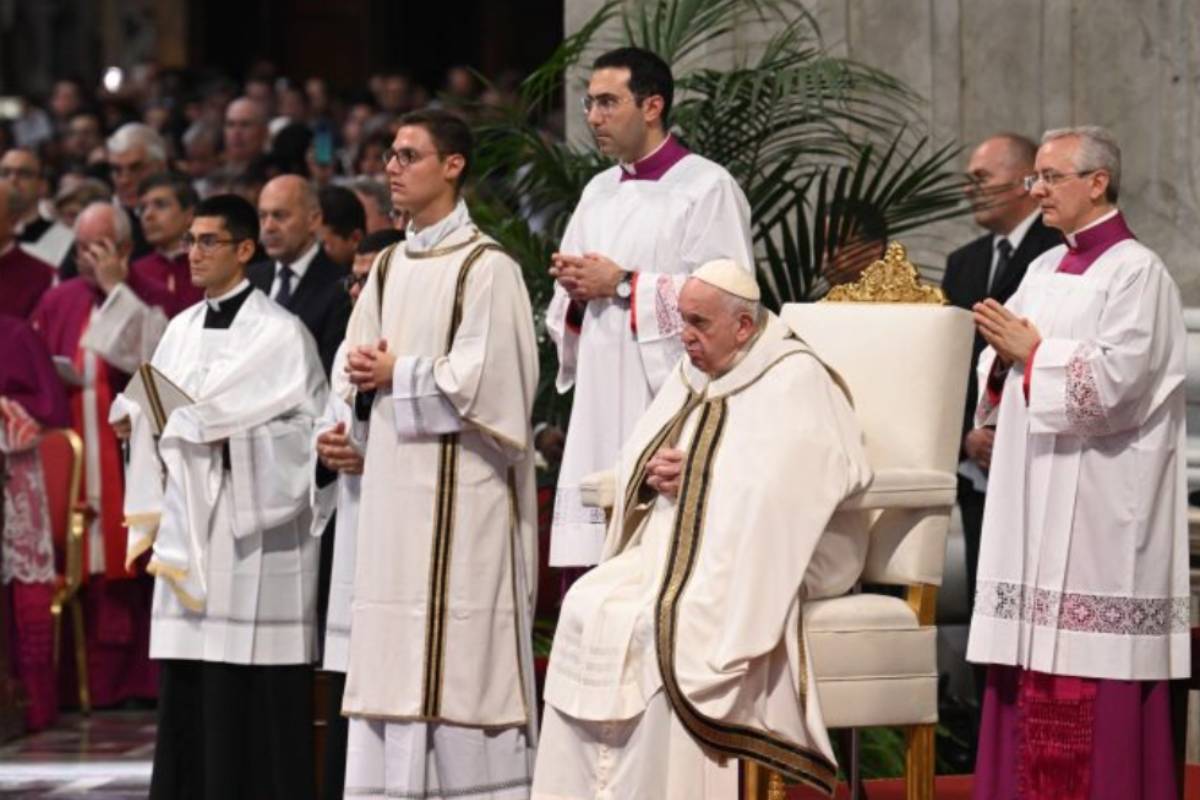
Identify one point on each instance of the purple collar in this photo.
(655, 165)
(1091, 243)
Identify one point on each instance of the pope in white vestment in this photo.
(659, 218)
(439, 681)
(682, 651)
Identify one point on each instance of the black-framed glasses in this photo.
(1052, 179)
(405, 156)
(352, 280)
(206, 242)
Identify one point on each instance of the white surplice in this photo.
(439, 684)
(1083, 566)
(663, 230)
(125, 330)
(235, 563)
(342, 496)
(773, 448)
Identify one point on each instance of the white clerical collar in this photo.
(1070, 237)
(1017, 234)
(300, 265)
(631, 166)
(430, 236)
(215, 302)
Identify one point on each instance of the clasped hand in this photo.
(1013, 338)
(664, 470)
(590, 276)
(369, 367)
(336, 452)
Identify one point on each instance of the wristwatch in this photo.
(625, 285)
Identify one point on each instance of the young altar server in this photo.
(640, 229)
(439, 687)
(222, 501)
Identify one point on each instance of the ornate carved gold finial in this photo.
(892, 280)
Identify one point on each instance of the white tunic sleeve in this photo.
(271, 469)
(1114, 381)
(718, 226)
(124, 331)
(564, 335)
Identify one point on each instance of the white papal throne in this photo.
(905, 356)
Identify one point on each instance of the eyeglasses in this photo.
(206, 242)
(405, 156)
(606, 104)
(1051, 179)
(352, 280)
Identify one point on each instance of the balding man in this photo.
(300, 276)
(135, 152)
(24, 278)
(680, 652)
(992, 266)
(1082, 611)
(245, 136)
(40, 235)
(118, 648)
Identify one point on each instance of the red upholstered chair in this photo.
(62, 466)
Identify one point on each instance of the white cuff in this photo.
(420, 407)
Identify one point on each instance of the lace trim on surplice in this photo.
(1083, 613)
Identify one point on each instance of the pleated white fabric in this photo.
(432, 761)
(649, 756)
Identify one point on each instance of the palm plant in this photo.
(795, 126)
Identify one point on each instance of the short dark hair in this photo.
(374, 242)
(648, 75)
(450, 134)
(341, 210)
(179, 184)
(240, 218)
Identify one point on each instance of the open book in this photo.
(157, 396)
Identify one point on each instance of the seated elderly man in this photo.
(681, 651)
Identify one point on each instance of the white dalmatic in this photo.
(227, 509)
(621, 352)
(1083, 566)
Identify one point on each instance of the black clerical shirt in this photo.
(220, 313)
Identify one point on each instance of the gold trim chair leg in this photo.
(81, 669)
(56, 608)
(919, 763)
(760, 783)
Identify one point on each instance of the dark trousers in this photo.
(336, 736)
(231, 731)
(970, 503)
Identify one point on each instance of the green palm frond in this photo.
(909, 186)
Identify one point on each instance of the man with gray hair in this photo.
(135, 152)
(24, 278)
(637, 708)
(68, 319)
(1081, 612)
(992, 265)
(377, 203)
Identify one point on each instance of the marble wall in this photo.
(1029, 65)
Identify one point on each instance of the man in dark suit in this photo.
(992, 266)
(299, 275)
